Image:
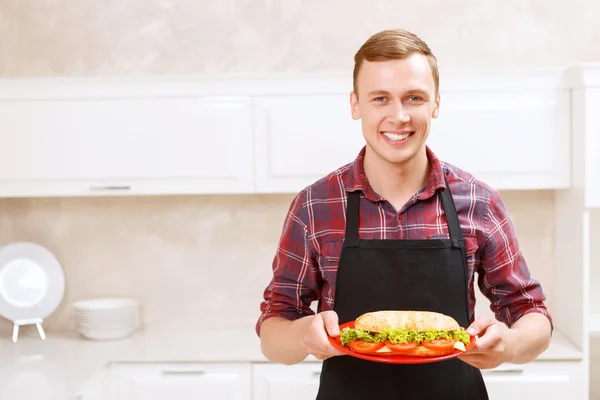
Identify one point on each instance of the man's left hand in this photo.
(492, 347)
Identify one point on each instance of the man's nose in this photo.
(399, 114)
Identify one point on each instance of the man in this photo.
(399, 229)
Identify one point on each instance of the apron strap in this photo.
(456, 236)
(352, 215)
(452, 217)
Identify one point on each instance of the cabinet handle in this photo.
(174, 371)
(110, 187)
(505, 369)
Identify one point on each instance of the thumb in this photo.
(480, 325)
(331, 321)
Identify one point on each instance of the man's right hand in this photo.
(315, 338)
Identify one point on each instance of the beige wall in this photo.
(193, 259)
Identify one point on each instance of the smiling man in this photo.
(399, 229)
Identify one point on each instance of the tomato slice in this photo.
(363, 347)
(400, 348)
(439, 344)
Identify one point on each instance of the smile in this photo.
(397, 137)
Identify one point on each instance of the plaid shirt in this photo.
(306, 261)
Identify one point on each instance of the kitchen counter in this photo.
(62, 364)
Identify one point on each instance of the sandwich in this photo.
(407, 333)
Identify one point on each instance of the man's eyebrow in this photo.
(379, 92)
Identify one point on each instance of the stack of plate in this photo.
(106, 318)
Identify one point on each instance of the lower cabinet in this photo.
(267, 381)
(539, 379)
(179, 381)
(289, 382)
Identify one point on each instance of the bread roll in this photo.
(414, 320)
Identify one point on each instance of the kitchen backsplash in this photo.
(195, 261)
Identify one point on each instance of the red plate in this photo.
(394, 359)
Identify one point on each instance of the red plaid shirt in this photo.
(306, 261)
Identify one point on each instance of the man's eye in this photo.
(381, 98)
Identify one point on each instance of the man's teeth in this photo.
(395, 136)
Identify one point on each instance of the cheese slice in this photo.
(384, 349)
(460, 346)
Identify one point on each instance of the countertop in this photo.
(65, 362)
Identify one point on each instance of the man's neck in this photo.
(397, 182)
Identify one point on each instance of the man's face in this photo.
(396, 101)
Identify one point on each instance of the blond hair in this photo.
(394, 44)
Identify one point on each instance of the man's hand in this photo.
(493, 346)
(315, 338)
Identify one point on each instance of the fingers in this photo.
(489, 349)
(490, 339)
(316, 339)
(331, 321)
(480, 325)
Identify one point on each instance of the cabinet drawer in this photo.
(181, 380)
(294, 382)
(543, 380)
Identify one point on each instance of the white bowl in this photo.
(104, 304)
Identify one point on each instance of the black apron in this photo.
(383, 274)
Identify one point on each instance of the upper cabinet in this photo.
(299, 139)
(586, 131)
(509, 130)
(89, 141)
(514, 138)
(261, 134)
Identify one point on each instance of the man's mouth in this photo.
(397, 136)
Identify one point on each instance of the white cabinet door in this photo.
(509, 141)
(301, 138)
(536, 380)
(294, 382)
(181, 381)
(129, 145)
(592, 147)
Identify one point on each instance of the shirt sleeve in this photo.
(504, 277)
(295, 282)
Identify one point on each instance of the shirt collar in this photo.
(356, 179)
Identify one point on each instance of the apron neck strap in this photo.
(353, 212)
(451, 216)
(352, 216)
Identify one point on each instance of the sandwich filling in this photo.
(396, 336)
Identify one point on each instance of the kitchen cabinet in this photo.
(71, 144)
(260, 134)
(542, 379)
(586, 131)
(181, 381)
(290, 382)
(592, 132)
(539, 379)
(300, 139)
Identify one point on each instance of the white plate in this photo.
(32, 282)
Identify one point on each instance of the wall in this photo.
(204, 260)
(193, 260)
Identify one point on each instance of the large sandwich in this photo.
(412, 333)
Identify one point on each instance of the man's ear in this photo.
(436, 110)
(354, 106)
